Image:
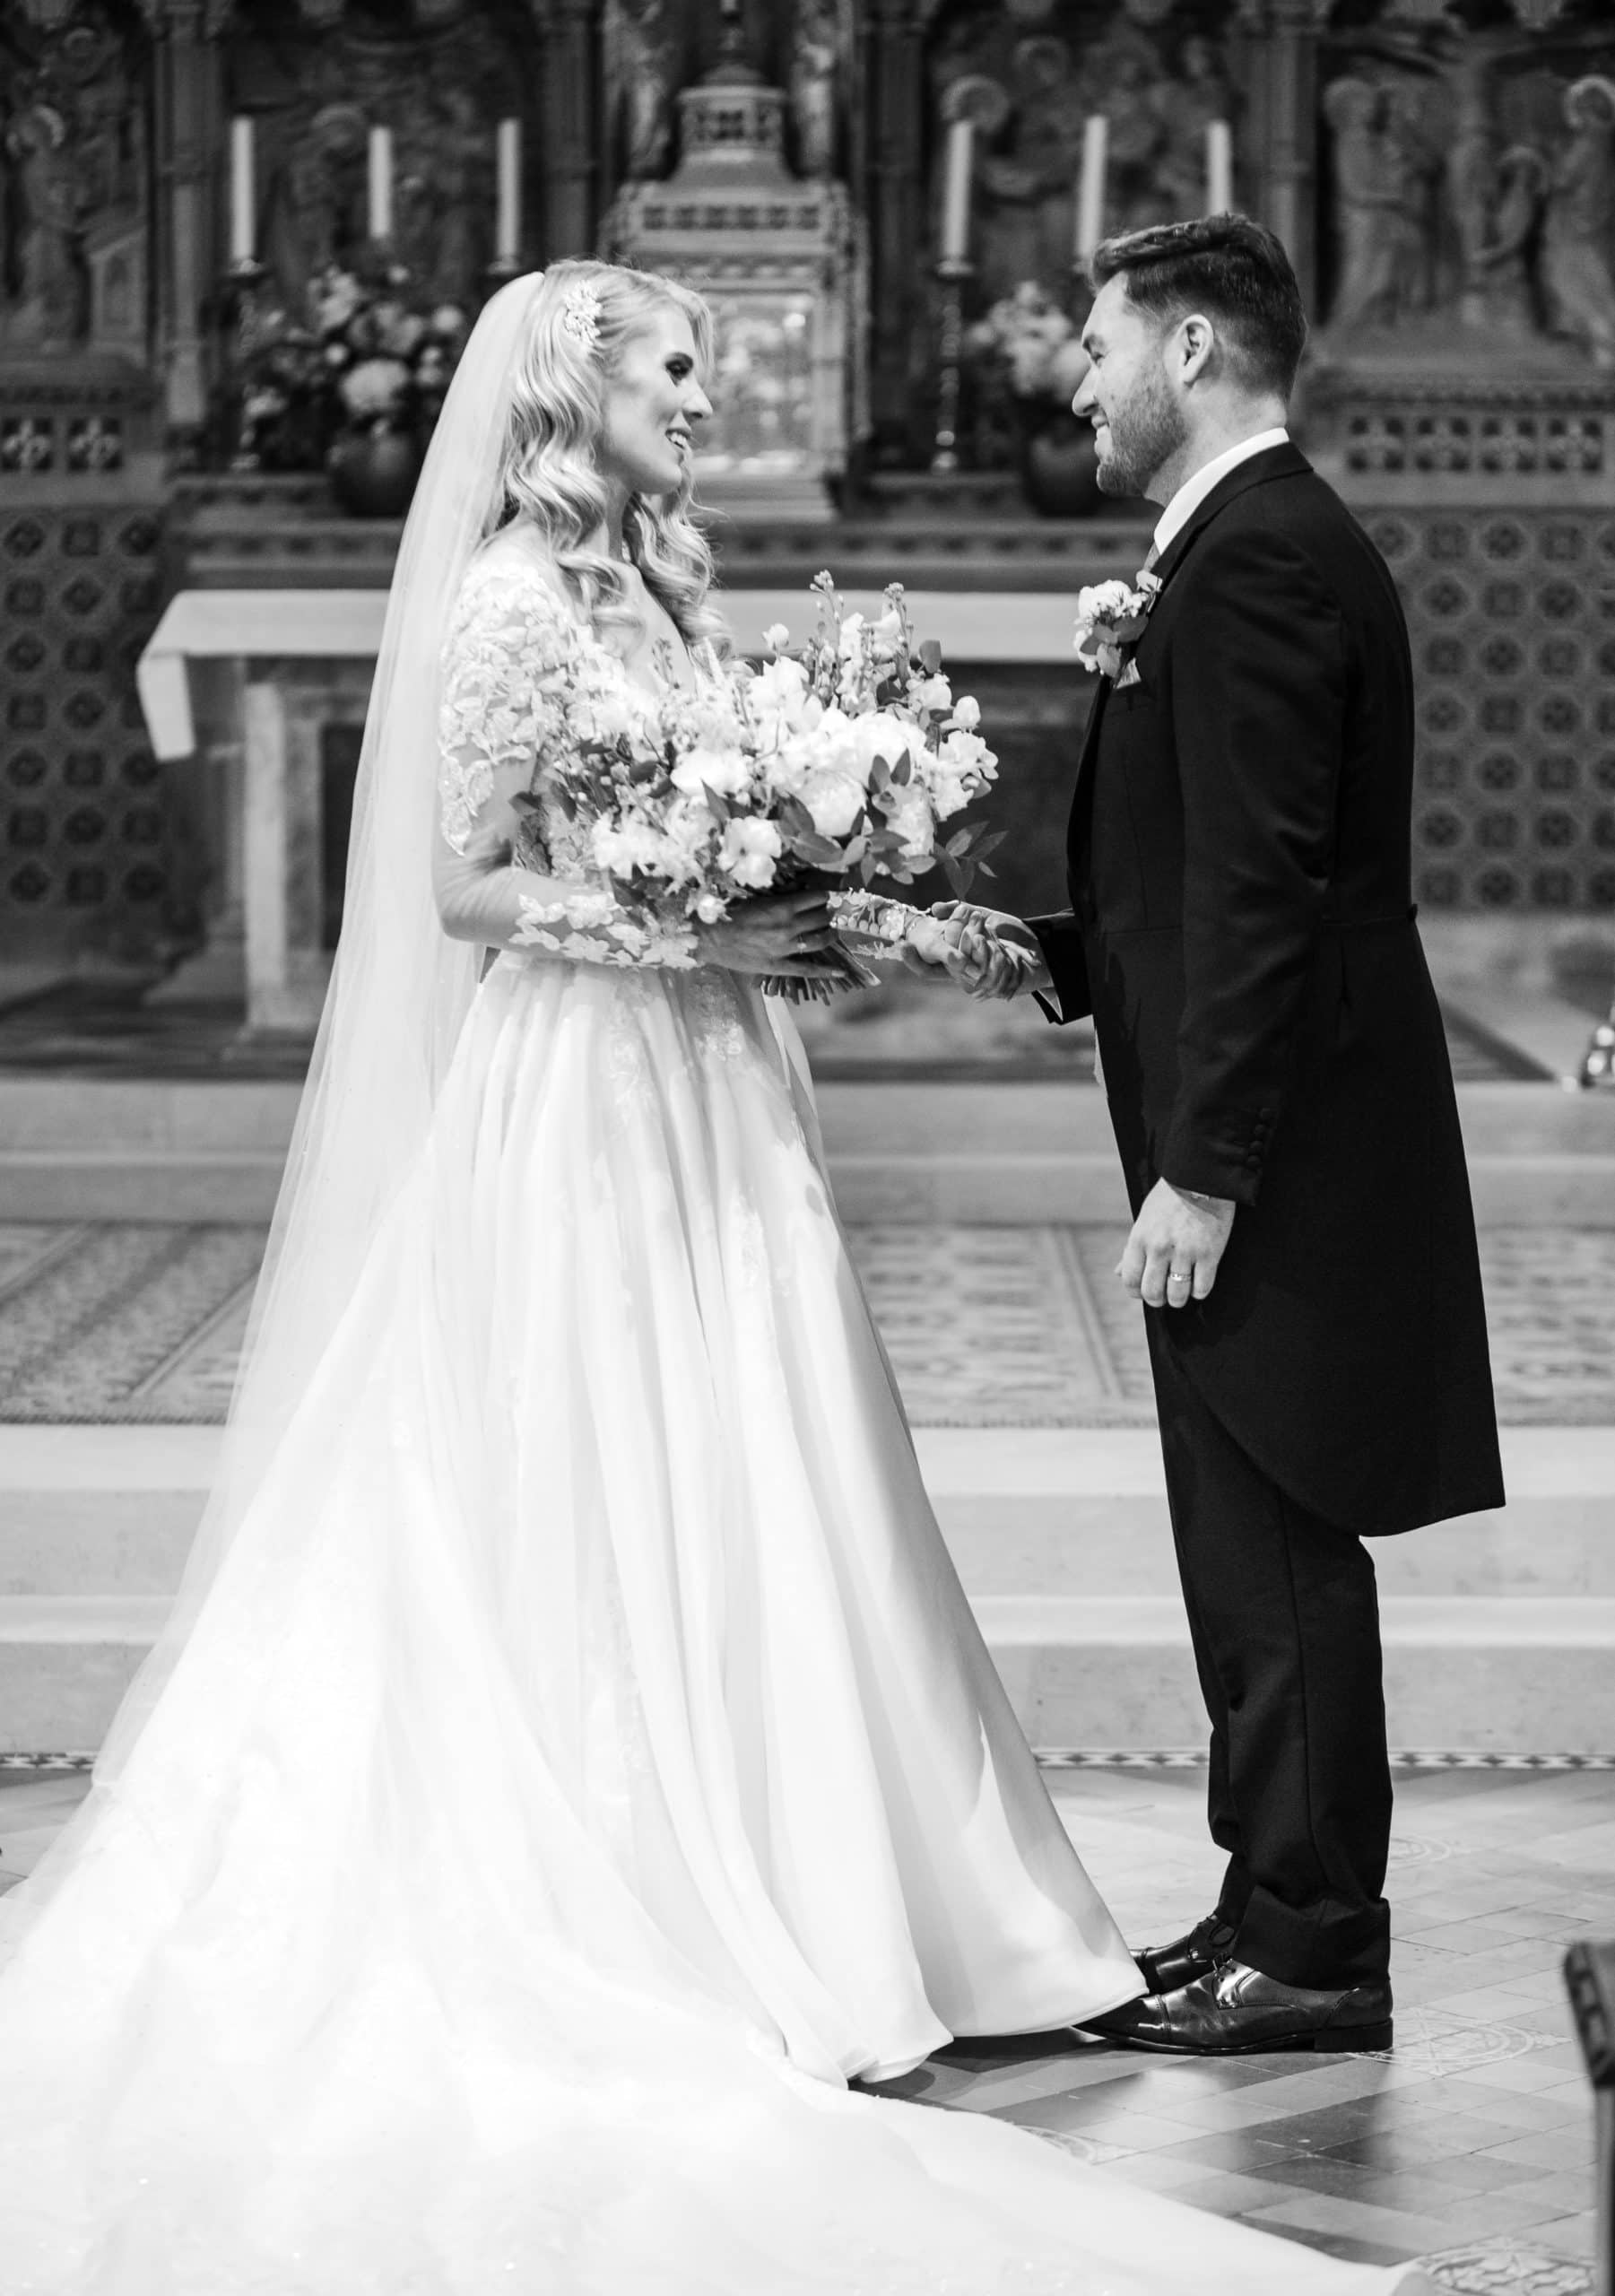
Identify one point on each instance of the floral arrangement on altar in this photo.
(827, 767)
(1032, 342)
(362, 361)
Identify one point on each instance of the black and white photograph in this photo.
(807, 1148)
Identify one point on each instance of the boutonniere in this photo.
(1111, 617)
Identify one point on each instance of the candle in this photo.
(381, 183)
(1091, 190)
(1218, 168)
(956, 190)
(243, 234)
(507, 235)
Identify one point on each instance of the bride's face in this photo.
(651, 405)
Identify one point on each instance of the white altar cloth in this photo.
(969, 625)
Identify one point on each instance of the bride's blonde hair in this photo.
(549, 468)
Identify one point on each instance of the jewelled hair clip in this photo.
(581, 315)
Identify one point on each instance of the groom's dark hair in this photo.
(1230, 268)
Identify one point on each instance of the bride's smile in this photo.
(651, 403)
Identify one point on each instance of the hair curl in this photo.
(1230, 268)
(549, 467)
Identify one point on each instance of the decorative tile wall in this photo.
(85, 837)
(1512, 614)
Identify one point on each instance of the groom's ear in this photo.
(1194, 349)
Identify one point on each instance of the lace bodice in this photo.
(512, 645)
(519, 669)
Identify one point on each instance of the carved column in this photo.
(893, 75)
(185, 83)
(1284, 112)
(570, 38)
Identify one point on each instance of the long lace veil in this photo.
(399, 993)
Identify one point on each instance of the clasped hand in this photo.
(785, 936)
(985, 952)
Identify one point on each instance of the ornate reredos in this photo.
(1467, 182)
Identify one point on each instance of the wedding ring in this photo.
(1178, 1275)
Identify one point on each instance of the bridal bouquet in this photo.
(830, 767)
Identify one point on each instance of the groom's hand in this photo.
(1176, 1247)
(989, 953)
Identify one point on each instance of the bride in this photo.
(571, 1762)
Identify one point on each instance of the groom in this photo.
(1241, 930)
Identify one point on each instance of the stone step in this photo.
(1521, 1673)
(1500, 1628)
(1005, 1153)
(111, 1511)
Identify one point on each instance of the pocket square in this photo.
(1128, 676)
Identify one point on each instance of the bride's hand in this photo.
(785, 936)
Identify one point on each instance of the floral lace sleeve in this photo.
(509, 646)
(512, 657)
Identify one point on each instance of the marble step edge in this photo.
(1010, 1621)
(957, 1462)
(128, 1116)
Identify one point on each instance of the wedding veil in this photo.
(400, 987)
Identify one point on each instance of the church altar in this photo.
(221, 218)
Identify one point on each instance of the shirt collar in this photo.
(1193, 490)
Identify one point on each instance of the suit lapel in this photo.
(1286, 461)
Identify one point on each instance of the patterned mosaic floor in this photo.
(108, 1322)
(1470, 2146)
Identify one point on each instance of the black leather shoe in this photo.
(1236, 2012)
(1164, 1968)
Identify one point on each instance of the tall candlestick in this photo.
(243, 234)
(1218, 168)
(956, 190)
(381, 183)
(508, 233)
(1091, 189)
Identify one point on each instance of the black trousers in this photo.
(1284, 1615)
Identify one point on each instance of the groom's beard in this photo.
(1145, 433)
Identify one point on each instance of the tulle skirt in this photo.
(583, 1763)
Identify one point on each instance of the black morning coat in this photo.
(1241, 928)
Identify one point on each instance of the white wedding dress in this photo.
(584, 1760)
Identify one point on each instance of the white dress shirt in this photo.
(1193, 490)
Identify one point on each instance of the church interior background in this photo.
(240, 244)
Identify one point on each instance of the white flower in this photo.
(850, 644)
(620, 848)
(934, 692)
(604, 716)
(776, 637)
(686, 835)
(967, 754)
(834, 798)
(881, 735)
(779, 693)
(750, 849)
(967, 712)
(949, 795)
(728, 771)
(910, 811)
(1103, 602)
(710, 910)
(889, 626)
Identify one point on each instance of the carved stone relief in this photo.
(73, 184)
(1030, 75)
(1471, 194)
(438, 77)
